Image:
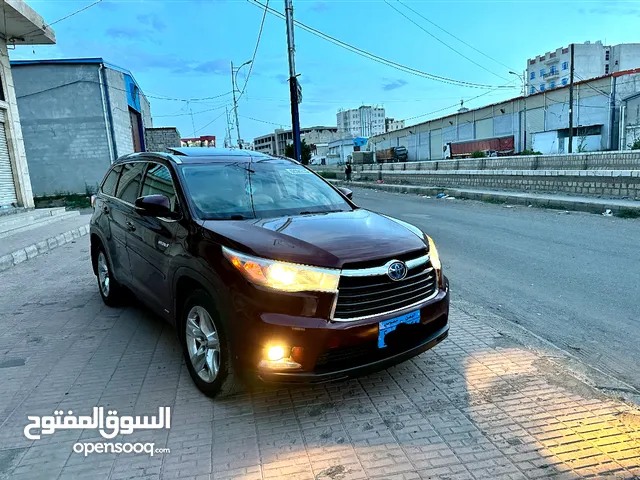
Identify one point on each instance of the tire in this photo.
(110, 290)
(206, 347)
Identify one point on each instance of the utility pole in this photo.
(227, 138)
(293, 82)
(234, 85)
(523, 79)
(570, 149)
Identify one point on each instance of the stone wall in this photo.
(160, 138)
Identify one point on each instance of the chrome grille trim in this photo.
(433, 295)
(382, 270)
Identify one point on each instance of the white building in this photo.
(340, 151)
(275, 143)
(392, 124)
(21, 26)
(363, 121)
(591, 60)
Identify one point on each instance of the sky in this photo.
(182, 49)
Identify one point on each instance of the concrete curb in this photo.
(30, 251)
(580, 204)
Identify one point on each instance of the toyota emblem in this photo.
(397, 271)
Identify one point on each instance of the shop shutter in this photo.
(7, 187)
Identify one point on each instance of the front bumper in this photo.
(338, 350)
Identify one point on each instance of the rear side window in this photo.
(111, 180)
(129, 183)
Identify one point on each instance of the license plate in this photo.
(390, 325)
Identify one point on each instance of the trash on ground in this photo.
(607, 213)
(380, 181)
(564, 212)
(509, 206)
(530, 206)
(441, 195)
(450, 198)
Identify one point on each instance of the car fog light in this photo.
(275, 353)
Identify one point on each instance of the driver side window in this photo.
(158, 181)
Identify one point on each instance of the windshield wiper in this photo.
(237, 164)
(322, 211)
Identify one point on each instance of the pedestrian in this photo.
(347, 171)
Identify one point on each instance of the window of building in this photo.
(606, 56)
(542, 87)
(564, 81)
(552, 85)
(532, 75)
(606, 68)
(553, 69)
(542, 72)
(533, 90)
(129, 183)
(565, 65)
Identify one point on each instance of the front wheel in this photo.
(206, 347)
(110, 290)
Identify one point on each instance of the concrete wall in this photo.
(160, 138)
(119, 112)
(13, 128)
(64, 127)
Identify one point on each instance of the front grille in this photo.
(399, 341)
(378, 294)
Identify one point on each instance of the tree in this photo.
(635, 145)
(306, 152)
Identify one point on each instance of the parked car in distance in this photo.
(265, 268)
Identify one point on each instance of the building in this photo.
(78, 116)
(391, 125)
(591, 60)
(161, 139)
(275, 143)
(605, 118)
(21, 25)
(363, 121)
(201, 141)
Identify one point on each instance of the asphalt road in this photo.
(571, 278)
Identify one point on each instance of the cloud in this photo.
(320, 7)
(153, 20)
(282, 78)
(219, 66)
(127, 33)
(394, 84)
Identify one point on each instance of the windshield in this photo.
(272, 188)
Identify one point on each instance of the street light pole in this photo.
(234, 84)
(293, 82)
(523, 79)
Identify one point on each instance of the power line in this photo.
(192, 113)
(264, 121)
(451, 34)
(377, 58)
(255, 50)
(63, 18)
(205, 126)
(442, 42)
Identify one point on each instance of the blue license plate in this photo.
(390, 325)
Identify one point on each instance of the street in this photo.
(572, 279)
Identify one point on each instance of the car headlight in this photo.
(283, 276)
(435, 259)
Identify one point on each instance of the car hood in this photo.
(324, 240)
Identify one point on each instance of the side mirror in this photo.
(154, 206)
(346, 192)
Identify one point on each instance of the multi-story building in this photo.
(275, 143)
(363, 121)
(391, 124)
(591, 60)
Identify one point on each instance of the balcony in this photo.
(551, 74)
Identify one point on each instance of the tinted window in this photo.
(111, 180)
(130, 181)
(268, 188)
(158, 181)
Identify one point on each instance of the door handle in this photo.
(130, 226)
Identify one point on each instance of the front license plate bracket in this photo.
(387, 326)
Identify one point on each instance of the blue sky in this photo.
(183, 49)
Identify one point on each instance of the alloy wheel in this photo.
(203, 344)
(103, 274)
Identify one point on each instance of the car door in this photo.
(154, 242)
(121, 209)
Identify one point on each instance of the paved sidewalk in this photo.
(477, 406)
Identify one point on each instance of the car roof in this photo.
(181, 155)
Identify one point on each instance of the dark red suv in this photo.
(265, 268)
